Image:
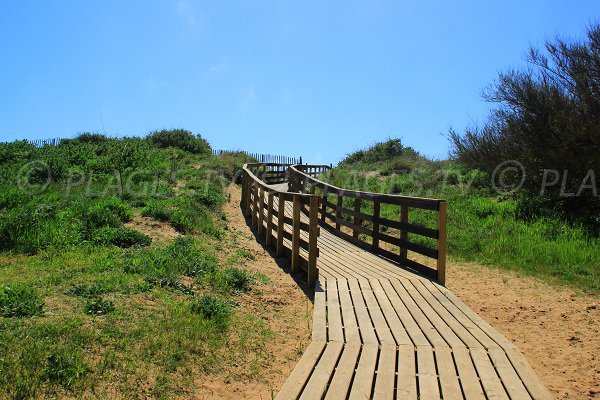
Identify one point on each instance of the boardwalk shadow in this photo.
(300, 277)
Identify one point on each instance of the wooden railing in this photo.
(290, 236)
(370, 230)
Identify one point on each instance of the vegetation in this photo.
(483, 225)
(90, 306)
(547, 118)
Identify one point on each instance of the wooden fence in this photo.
(263, 158)
(290, 236)
(370, 230)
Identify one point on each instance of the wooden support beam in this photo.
(403, 234)
(313, 232)
(338, 212)
(356, 220)
(376, 214)
(280, 224)
(254, 203)
(269, 233)
(441, 260)
(261, 211)
(296, 234)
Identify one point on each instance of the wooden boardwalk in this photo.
(382, 332)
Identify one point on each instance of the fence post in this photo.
(376, 213)
(261, 211)
(338, 211)
(248, 185)
(269, 233)
(280, 224)
(403, 233)
(356, 220)
(296, 234)
(324, 205)
(243, 200)
(313, 231)
(441, 260)
(255, 203)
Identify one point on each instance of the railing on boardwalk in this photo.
(360, 213)
(263, 158)
(265, 204)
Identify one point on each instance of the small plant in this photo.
(210, 307)
(98, 306)
(121, 237)
(20, 301)
(237, 279)
(89, 291)
(65, 367)
(171, 283)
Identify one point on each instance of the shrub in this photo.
(121, 237)
(20, 301)
(65, 367)
(181, 139)
(236, 279)
(210, 307)
(89, 291)
(98, 306)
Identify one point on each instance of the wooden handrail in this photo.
(334, 216)
(257, 181)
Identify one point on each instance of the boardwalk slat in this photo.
(320, 378)
(381, 327)
(427, 375)
(367, 332)
(386, 373)
(489, 379)
(365, 373)
(319, 317)
(447, 372)
(469, 381)
(295, 383)
(351, 332)
(406, 385)
(340, 384)
(334, 316)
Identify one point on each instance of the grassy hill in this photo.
(90, 302)
(483, 226)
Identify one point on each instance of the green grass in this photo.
(90, 308)
(482, 226)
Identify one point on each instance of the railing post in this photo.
(441, 260)
(356, 219)
(403, 233)
(376, 213)
(254, 203)
(338, 212)
(324, 205)
(261, 211)
(269, 233)
(248, 184)
(280, 224)
(313, 232)
(296, 234)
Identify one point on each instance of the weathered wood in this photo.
(356, 221)
(441, 259)
(296, 234)
(375, 235)
(261, 211)
(403, 233)
(313, 251)
(269, 233)
(338, 212)
(280, 225)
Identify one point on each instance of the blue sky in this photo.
(311, 78)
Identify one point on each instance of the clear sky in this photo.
(311, 78)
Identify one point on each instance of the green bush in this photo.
(210, 307)
(98, 306)
(65, 367)
(236, 279)
(89, 291)
(181, 139)
(121, 237)
(20, 301)
(186, 215)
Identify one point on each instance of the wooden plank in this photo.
(381, 328)
(386, 373)
(487, 374)
(280, 225)
(448, 376)
(396, 327)
(403, 233)
(340, 384)
(362, 385)
(319, 328)
(317, 385)
(300, 375)
(296, 234)
(334, 315)
(351, 332)
(441, 260)
(511, 381)
(269, 232)
(406, 385)
(375, 234)
(367, 332)
(529, 378)
(426, 373)
(356, 221)
(313, 233)
(469, 381)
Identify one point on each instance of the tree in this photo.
(548, 119)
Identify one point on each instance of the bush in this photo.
(181, 139)
(236, 279)
(121, 237)
(89, 291)
(97, 306)
(184, 214)
(210, 307)
(20, 301)
(65, 367)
